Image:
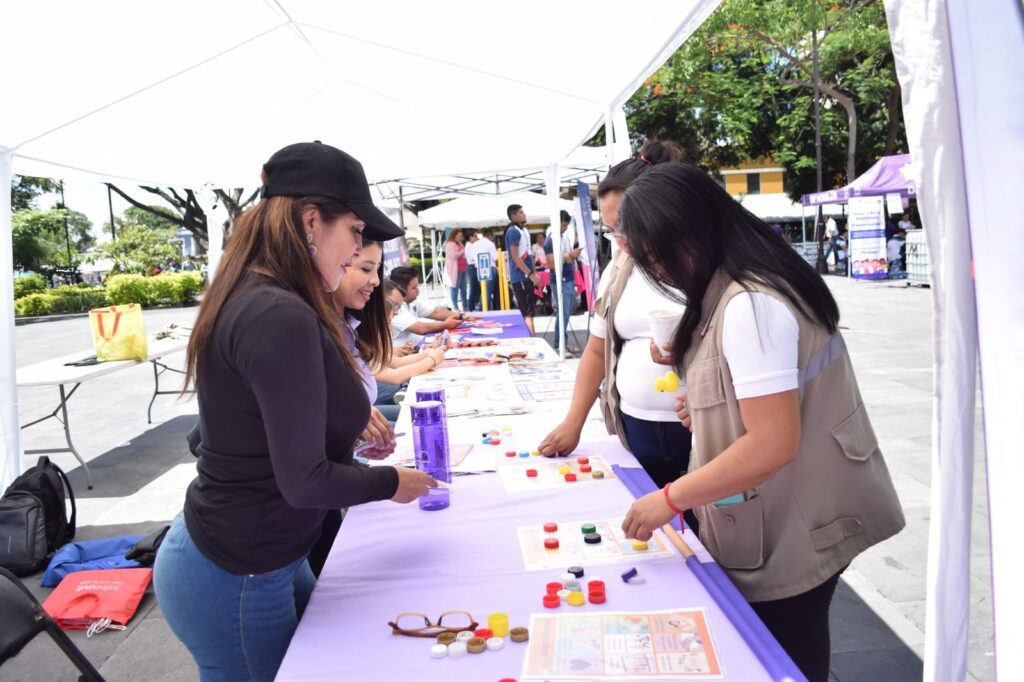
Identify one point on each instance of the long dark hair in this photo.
(652, 153)
(268, 239)
(373, 337)
(681, 227)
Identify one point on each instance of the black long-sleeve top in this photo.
(279, 413)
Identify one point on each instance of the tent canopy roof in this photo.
(889, 175)
(489, 211)
(412, 90)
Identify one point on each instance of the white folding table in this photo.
(62, 372)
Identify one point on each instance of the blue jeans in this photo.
(565, 308)
(386, 393)
(237, 627)
(474, 288)
(459, 292)
(662, 448)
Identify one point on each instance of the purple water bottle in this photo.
(425, 394)
(430, 443)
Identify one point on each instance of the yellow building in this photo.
(759, 176)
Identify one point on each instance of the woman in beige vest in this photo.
(786, 476)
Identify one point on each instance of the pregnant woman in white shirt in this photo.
(644, 419)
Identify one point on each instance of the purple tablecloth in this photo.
(516, 330)
(391, 558)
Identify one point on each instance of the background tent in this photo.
(483, 211)
(889, 175)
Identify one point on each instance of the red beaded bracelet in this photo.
(668, 500)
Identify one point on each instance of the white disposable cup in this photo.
(663, 327)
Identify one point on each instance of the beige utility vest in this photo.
(618, 273)
(833, 501)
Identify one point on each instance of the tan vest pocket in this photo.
(836, 532)
(855, 435)
(704, 385)
(737, 534)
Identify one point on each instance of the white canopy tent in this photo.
(199, 96)
(489, 211)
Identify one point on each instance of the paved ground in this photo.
(141, 472)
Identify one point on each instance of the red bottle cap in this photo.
(585, 469)
(583, 460)
(483, 633)
(552, 601)
(597, 597)
(550, 543)
(569, 478)
(596, 586)
(553, 588)
(509, 453)
(495, 441)
(531, 473)
(550, 527)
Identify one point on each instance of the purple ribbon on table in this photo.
(773, 657)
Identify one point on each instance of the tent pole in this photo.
(10, 431)
(555, 274)
(609, 136)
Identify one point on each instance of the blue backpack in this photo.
(90, 555)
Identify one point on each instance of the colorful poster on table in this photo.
(585, 229)
(866, 226)
(654, 645)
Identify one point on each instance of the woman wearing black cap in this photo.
(280, 406)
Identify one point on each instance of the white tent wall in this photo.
(961, 103)
(10, 431)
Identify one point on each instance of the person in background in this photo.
(521, 274)
(472, 277)
(540, 260)
(842, 251)
(487, 268)
(455, 267)
(564, 307)
(787, 479)
(417, 317)
(831, 233)
(906, 224)
(281, 405)
(617, 351)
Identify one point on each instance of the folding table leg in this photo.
(63, 409)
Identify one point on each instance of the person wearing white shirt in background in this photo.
(643, 418)
(417, 317)
(485, 254)
(831, 232)
(472, 279)
(906, 223)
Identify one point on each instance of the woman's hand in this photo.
(683, 411)
(378, 431)
(412, 485)
(437, 355)
(378, 451)
(648, 513)
(562, 440)
(659, 359)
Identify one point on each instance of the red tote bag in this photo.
(88, 596)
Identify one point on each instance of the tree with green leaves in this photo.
(26, 189)
(41, 242)
(188, 213)
(742, 88)
(140, 248)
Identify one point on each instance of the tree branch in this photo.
(144, 207)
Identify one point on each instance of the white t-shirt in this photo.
(636, 372)
(485, 256)
(831, 229)
(759, 341)
(470, 254)
(408, 315)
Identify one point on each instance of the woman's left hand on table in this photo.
(647, 513)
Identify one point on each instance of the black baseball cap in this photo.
(315, 169)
